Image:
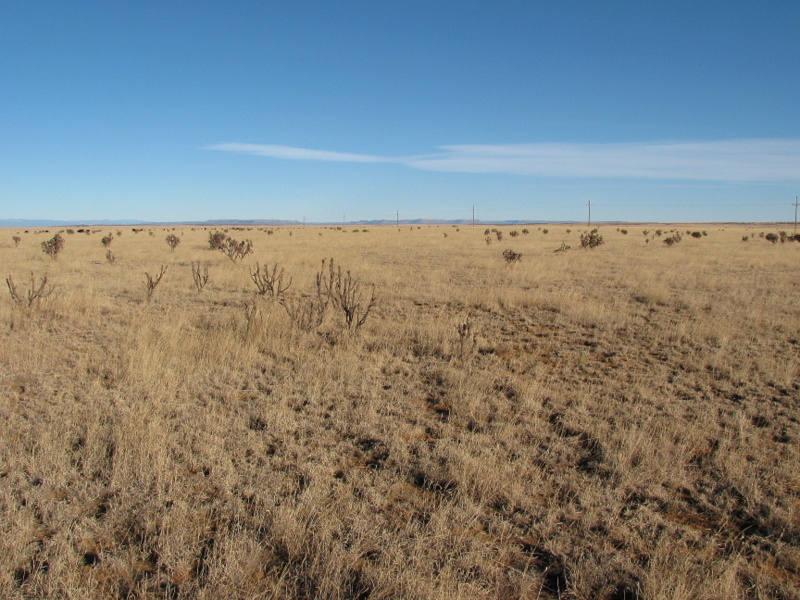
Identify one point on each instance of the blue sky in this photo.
(654, 111)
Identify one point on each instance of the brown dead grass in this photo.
(620, 423)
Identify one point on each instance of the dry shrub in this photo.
(200, 278)
(151, 282)
(511, 257)
(53, 246)
(591, 240)
(172, 241)
(236, 250)
(269, 283)
(35, 294)
(345, 293)
(216, 239)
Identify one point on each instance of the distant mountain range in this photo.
(30, 223)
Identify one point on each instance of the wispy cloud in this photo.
(293, 153)
(725, 160)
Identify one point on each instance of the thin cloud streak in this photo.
(292, 153)
(724, 161)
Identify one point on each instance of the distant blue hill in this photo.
(31, 223)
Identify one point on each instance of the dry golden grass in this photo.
(617, 423)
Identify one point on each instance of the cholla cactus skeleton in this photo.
(35, 294)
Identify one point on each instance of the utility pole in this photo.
(589, 222)
(796, 198)
(473, 215)
(397, 214)
(342, 219)
(304, 221)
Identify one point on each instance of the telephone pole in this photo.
(473, 215)
(397, 214)
(589, 222)
(796, 198)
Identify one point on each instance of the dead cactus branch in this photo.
(34, 295)
(270, 282)
(200, 278)
(306, 312)
(236, 250)
(152, 282)
(344, 292)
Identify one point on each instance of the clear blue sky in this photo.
(526, 109)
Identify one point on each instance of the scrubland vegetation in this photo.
(618, 420)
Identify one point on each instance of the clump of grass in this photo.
(512, 257)
(673, 239)
(106, 240)
(16, 240)
(110, 258)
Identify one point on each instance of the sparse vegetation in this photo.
(16, 239)
(673, 239)
(620, 425)
(110, 258)
(511, 257)
(106, 240)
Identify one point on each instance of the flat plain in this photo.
(613, 423)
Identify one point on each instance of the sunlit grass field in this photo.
(613, 423)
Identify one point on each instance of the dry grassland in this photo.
(618, 423)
